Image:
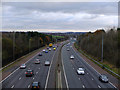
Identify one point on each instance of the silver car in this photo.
(47, 63)
(23, 66)
(71, 57)
(80, 71)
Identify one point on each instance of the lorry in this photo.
(50, 45)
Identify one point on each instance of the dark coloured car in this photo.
(40, 54)
(103, 78)
(35, 85)
(47, 47)
(29, 73)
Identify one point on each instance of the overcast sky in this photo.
(59, 17)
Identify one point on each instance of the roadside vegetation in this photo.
(17, 44)
(91, 44)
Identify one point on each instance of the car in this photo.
(46, 51)
(35, 85)
(29, 73)
(43, 50)
(54, 49)
(40, 54)
(37, 62)
(71, 57)
(49, 49)
(80, 71)
(23, 66)
(37, 59)
(47, 63)
(103, 78)
(68, 49)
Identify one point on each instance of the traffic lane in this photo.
(73, 81)
(50, 82)
(13, 78)
(86, 80)
(91, 71)
(37, 68)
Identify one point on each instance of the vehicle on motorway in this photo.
(49, 49)
(103, 78)
(47, 63)
(37, 62)
(50, 45)
(29, 73)
(54, 49)
(37, 59)
(23, 66)
(68, 49)
(46, 51)
(35, 85)
(71, 57)
(43, 50)
(80, 71)
(40, 54)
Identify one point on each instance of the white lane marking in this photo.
(92, 67)
(87, 73)
(19, 78)
(49, 70)
(73, 68)
(92, 79)
(33, 78)
(39, 68)
(79, 78)
(83, 86)
(19, 67)
(28, 86)
(12, 86)
(36, 72)
(99, 86)
(65, 74)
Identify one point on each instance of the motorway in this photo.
(18, 78)
(46, 74)
(89, 80)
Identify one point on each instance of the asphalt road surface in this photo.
(89, 80)
(18, 78)
(45, 74)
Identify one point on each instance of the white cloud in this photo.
(60, 17)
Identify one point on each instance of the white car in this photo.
(49, 49)
(47, 63)
(68, 49)
(23, 66)
(80, 71)
(71, 57)
(43, 50)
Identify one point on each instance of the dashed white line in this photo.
(87, 73)
(99, 86)
(28, 86)
(36, 72)
(83, 86)
(92, 79)
(33, 78)
(39, 68)
(19, 78)
(73, 68)
(79, 78)
(12, 86)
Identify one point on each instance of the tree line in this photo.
(91, 43)
(17, 44)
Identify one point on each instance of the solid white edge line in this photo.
(18, 68)
(92, 67)
(12, 86)
(49, 70)
(65, 73)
